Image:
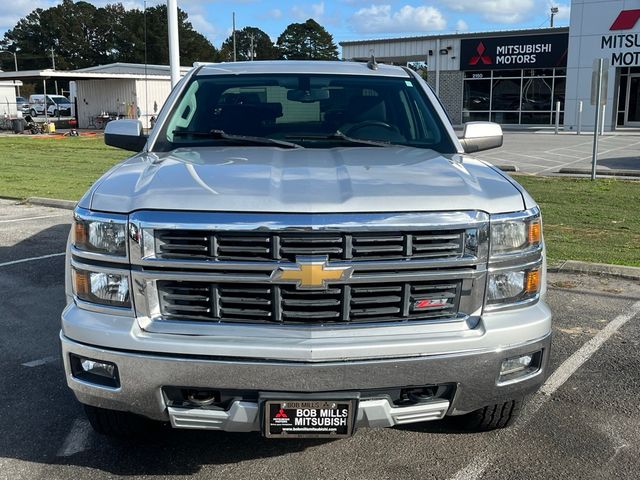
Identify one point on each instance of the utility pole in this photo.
(174, 42)
(234, 36)
(53, 62)
(252, 54)
(15, 62)
(554, 12)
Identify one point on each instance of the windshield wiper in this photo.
(338, 135)
(240, 139)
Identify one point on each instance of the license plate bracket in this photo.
(308, 418)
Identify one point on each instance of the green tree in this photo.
(82, 35)
(79, 34)
(263, 47)
(307, 41)
(129, 45)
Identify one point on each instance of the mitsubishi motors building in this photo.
(517, 77)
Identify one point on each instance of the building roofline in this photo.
(492, 33)
(126, 64)
(77, 75)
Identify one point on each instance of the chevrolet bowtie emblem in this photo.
(312, 273)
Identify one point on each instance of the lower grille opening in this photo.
(402, 396)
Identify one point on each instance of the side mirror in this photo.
(125, 134)
(478, 136)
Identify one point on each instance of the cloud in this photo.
(497, 11)
(14, 10)
(382, 19)
(275, 13)
(461, 26)
(203, 26)
(315, 11)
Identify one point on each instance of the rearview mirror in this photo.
(125, 134)
(478, 136)
(308, 96)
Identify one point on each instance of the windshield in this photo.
(314, 111)
(60, 99)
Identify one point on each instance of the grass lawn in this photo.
(590, 221)
(583, 220)
(56, 168)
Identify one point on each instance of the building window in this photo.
(523, 97)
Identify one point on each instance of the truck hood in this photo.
(333, 180)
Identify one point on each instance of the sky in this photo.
(344, 19)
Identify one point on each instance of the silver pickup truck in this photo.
(303, 249)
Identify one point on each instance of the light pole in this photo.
(554, 11)
(174, 45)
(15, 63)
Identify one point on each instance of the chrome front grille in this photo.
(199, 273)
(374, 302)
(269, 246)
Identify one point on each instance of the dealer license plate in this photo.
(310, 419)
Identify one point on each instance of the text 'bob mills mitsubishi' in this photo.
(303, 249)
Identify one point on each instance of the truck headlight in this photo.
(100, 234)
(513, 286)
(110, 289)
(514, 235)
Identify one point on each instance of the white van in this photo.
(56, 105)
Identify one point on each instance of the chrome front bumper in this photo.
(245, 416)
(143, 375)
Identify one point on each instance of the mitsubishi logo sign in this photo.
(626, 20)
(514, 51)
(480, 57)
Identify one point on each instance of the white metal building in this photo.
(118, 90)
(8, 107)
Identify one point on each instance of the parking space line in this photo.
(31, 259)
(575, 361)
(476, 468)
(40, 361)
(78, 439)
(40, 217)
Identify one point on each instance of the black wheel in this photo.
(33, 113)
(492, 417)
(115, 423)
(55, 113)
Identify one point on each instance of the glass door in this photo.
(633, 101)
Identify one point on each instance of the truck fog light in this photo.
(519, 367)
(94, 371)
(102, 288)
(98, 368)
(514, 365)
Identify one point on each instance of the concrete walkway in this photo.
(543, 153)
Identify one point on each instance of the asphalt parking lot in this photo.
(585, 423)
(543, 153)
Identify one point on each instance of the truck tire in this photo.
(492, 417)
(114, 423)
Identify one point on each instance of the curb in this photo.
(508, 168)
(612, 172)
(52, 202)
(620, 271)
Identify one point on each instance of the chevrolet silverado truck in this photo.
(303, 249)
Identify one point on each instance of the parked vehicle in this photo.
(22, 104)
(56, 105)
(303, 249)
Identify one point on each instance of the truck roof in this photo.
(300, 66)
